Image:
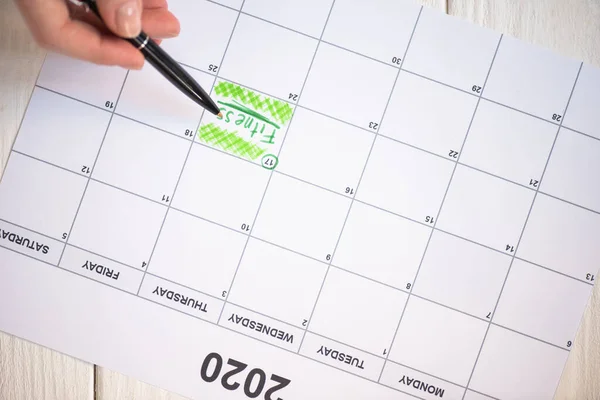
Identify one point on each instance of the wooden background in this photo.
(28, 371)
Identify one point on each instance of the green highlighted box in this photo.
(229, 141)
(250, 125)
(279, 110)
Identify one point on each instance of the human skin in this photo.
(62, 27)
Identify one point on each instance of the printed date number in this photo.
(253, 384)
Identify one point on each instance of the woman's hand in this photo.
(62, 27)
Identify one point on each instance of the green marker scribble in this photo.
(229, 141)
(237, 106)
(280, 110)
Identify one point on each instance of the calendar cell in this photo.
(30, 243)
(101, 270)
(525, 365)
(339, 152)
(236, 4)
(277, 283)
(54, 124)
(117, 225)
(428, 115)
(379, 29)
(71, 77)
(140, 159)
(509, 144)
(381, 246)
(328, 91)
(221, 188)
(301, 217)
(421, 385)
(405, 181)
(542, 304)
(261, 327)
(28, 196)
(284, 57)
(341, 356)
(253, 125)
(451, 50)
(531, 79)
(307, 16)
(197, 253)
(583, 109)
(574, 169)
(151, 99)
(181, 298)
(452, 340)
(462, 275)
(358, 312)
(485, 209)
(562, 237)
(208, 50)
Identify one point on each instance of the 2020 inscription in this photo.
(254, 382)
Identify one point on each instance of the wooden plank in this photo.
(32, 372)
(29, 371)
(571, 28)
(19, 66)
(113, 385)
(580, 377)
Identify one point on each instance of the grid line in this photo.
(514, 256)
(523, 230)
(37, 78)
(31, 230)
(415, 280)
(381, 120)
(359, 54)
(92, 168)
(350, 124)
(309, 109)
(155, 127)
(187, 156)
(483, 394)
(345, 122)
(213, 323)
(308, 257)
(287, 249)
(311, 184)
(220, 300)
(426, 373)
(378, 61)
(291, 121)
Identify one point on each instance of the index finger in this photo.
(53, 28)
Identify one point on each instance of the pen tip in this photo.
(220, 115)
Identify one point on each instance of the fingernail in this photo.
(129, 19)
(172, 33)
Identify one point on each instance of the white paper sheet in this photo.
(397, 204)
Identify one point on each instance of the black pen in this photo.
(166, 65)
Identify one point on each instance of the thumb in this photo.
(122, 17)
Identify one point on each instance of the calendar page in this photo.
(395, 204)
